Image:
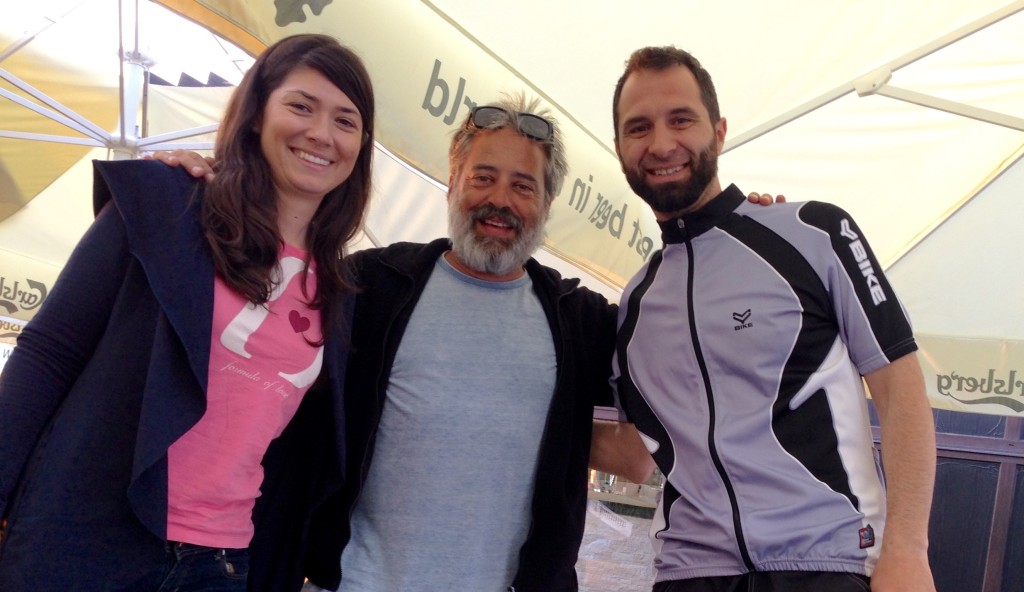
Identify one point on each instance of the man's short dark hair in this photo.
(663, 58)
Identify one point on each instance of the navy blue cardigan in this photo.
(110, 372)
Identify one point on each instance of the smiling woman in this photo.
(310, 134)
(210, 321)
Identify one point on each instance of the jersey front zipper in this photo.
(741, 543)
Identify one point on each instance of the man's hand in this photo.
(765, 199)
(195, 164)
(617, 448)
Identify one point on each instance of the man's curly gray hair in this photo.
(556, 167)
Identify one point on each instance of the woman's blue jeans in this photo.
(194, 568)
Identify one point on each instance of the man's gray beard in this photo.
(669, 198)
(487, 254)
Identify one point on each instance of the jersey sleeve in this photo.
(873, 322)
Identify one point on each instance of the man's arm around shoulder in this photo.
(616, 448)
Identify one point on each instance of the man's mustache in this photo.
(485, 211)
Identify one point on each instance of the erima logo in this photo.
(861, 255)
(742, 318)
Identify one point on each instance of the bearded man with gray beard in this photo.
(473, 381)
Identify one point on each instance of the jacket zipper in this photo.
(712, 449)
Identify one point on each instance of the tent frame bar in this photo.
(903, 61)
(977, 113)
(132, 81)
(63, 115)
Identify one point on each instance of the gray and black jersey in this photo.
(740, 353)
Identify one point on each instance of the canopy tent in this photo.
(80, 74)
(88, 79)
(909, 115)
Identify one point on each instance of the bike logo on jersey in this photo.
(860, 254)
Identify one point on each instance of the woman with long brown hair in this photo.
(197, 333)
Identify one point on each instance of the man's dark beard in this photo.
(676, 196)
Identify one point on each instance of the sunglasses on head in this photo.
(530, 125)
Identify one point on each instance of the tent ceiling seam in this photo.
(938, 223)
(28, 37)
(954, 36)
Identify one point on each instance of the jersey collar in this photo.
(688, 226)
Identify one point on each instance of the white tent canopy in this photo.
(73, 73)
(910, 115)
(73, 88)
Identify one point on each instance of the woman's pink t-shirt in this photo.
(261, 365)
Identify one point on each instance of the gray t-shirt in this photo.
(446, 503)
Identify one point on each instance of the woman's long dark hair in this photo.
(239, 211)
